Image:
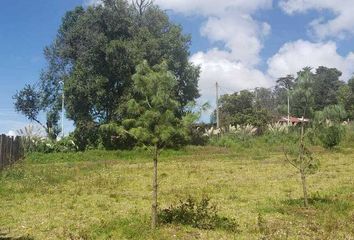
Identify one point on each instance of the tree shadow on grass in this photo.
(299, 202)
(317, 203)
(3, 236)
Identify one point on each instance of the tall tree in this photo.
(281, 93)
(286, 82)
(95, 54)
(302, 99)
(97, 49)
(155, 122)
(239, 108)
(265, 99)
(345, 97)
(325, 86)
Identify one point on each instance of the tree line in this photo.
(310, 92)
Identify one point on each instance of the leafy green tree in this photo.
(29, 102)
(154, 118)
(333, 113)
(325, 86)
(96, 52)
(302, 99)
(331, 136)
(328, 125)
(286, 82)
(345, 97)
(351, 84)
(240, 109)
(265, 99)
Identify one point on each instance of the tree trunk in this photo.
(154, 192)
(304, 187)
(302, 159)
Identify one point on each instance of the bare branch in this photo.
(288, 160)
(141, 5)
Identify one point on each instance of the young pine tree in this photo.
(304, 162)
(155, 121)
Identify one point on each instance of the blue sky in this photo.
(239, 43)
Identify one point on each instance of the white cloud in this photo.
(293, 56)
(229, 23)
(231, 75)
(92, 2)
(242, 36)
(212, 7)
(340, 26)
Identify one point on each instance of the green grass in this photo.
(106, 194)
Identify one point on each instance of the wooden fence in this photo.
(11, 150)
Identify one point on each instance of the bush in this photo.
(86, 136)
(44, 145)
(197, 136)
(202, 215)
(331, 136)
(65, 144)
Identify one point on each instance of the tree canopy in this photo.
(95, 54)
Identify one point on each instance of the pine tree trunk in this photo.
(304, 188)
(154, 192)
(302, 171)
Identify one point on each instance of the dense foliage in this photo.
(95, 54)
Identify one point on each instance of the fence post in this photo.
(11, 150)
(6, 162)
(11, 145)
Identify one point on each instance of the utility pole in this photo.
(217, 106)
(62, 109)
(288, 107)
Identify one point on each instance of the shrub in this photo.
(198, 136)
(331, 136)
(86, 136)
(202, 215)
(44, 145)
(66, 144)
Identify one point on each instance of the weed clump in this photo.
(202, 215)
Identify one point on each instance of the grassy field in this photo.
(106, 195)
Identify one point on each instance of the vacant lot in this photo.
(106, 195)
